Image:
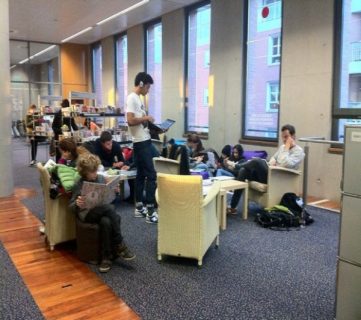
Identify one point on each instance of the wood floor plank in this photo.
(62, 286)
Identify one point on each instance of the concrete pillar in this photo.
(6, 169)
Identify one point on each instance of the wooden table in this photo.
(229, 185)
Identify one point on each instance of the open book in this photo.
(96, 194)
(160, 128)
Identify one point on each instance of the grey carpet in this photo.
(15, 300)
(255, 274)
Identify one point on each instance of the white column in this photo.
(6, 169)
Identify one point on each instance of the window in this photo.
(274, 49)
(273, 96)
(121, 76)
(97, 73)
(347, 98)
(262, 89)
(154, 68)
(197, 67)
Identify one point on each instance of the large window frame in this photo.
(205, 65)
(153, 101)
(121, 71)
(97, 85)
(339, 113)
(259, 134)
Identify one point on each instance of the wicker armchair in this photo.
(165, 165)
(59, 219)
(188, 223)
(280, 181)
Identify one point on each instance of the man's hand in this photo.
(290, 143)
(125, 168)
(149, 118)
(118, 164)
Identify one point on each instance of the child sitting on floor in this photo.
(112, 244)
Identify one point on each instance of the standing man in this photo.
(138, 119)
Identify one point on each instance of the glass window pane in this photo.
(121, 48)
(341, 126)
(263, 69)
(154, 68)
(198, 57)
(348, 96)
(97, 74)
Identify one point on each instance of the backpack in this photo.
(277, 218)
(295, 204)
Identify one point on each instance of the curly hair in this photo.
(87, 163)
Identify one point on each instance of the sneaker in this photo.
(152, 217)
(124, 253)
(231, 211)
(140, 212)
(32, 163)
(105, 266)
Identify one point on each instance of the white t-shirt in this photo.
(139, 132)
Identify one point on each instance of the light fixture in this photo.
(13, 66)
(143, 2)
(37, 54)
(76, 34)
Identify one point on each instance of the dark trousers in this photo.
(143, 158)
(109, 228)
(34, 147)
(253, 170)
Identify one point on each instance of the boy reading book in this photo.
(112, 244)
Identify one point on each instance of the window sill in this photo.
(258, 143)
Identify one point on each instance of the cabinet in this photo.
(348, 293)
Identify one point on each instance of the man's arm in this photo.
(133, 121)
(288, 158)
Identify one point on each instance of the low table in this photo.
(229, 185)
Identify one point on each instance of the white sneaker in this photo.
(140, 212)
(152, 217)
(32, 163)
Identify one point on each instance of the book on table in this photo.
(96, 194)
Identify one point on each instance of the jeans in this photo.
(34, 147)
(253, 170)
(109, 227)
(223, 172)
(143, 158)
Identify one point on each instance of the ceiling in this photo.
(52, 21)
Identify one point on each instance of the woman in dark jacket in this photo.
(59, 121)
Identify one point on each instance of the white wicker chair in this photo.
(280, 181)
(165, 165)
(188, 223)
(59, 219)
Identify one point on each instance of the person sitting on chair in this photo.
(112, 243)
(232, 164)
(289, 155)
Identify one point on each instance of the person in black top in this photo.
(111, 156)
(59, 121)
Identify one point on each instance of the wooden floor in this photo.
(61, 285)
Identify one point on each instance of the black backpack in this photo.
(295, 205)
(277, 220)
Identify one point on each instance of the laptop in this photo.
(164, 126)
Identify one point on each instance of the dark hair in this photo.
(105, 136)
(143, 77)
(194, 138)
(227, 149)
(68, 144)
(239, 148)
(65, 103)
(291, 129)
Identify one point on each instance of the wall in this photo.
(74, 68)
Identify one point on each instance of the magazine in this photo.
(96, 194)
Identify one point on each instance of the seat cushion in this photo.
(260, 187)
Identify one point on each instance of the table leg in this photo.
(245, 204)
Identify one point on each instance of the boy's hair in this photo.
(291, 129)
(143, 77)
(68, 144)
(87, 163)
(105, 136)
(65, 103)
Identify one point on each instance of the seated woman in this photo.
(225, 154)
(111, 240)
(232, 165)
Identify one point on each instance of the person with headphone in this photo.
(138, 120)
